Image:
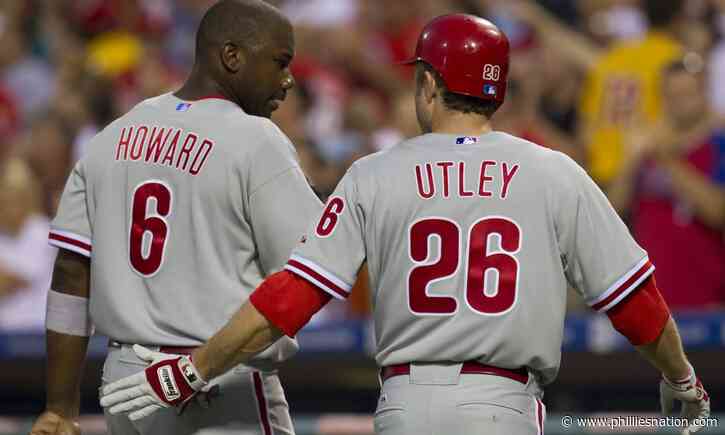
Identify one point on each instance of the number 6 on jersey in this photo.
(146, 258)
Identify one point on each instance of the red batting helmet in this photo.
(469, 53)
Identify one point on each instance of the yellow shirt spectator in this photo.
(622, 91)
(115, 53)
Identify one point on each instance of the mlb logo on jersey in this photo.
(466, 140)
(489, 90)
(183, 107)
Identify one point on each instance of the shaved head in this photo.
(243, 52)
(249, 22)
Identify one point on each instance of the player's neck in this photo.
(461, 124)
(199, 86)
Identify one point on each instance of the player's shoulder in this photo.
(545, 163)
(551, 163)
(251, 132)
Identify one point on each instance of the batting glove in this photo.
(169, 380)
(694, 398)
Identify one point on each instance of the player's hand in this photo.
(694, 398)
(169, 380)
(50, 423)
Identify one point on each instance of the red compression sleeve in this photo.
(288, 301)
(641, 316)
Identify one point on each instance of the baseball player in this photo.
(180, 209)
(470, 236)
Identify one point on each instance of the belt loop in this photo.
(435, 374)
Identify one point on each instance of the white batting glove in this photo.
(694, 398)
(169, 380)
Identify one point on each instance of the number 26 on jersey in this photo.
(499, 269)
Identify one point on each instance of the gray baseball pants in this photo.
(438, 400)
(249, 402)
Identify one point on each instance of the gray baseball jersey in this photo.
(183, 208)
(470, 242)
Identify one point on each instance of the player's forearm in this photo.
(244, 336)
(66, 357)
(666, 353)
(66, 350)
(706, 198)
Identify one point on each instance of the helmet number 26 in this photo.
(491, 276)
(491, 72)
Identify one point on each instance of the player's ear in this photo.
(430, 88)
(232, 57)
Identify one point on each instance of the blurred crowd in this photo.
(628, 88)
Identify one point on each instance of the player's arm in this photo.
(67, 331)
(67, 344)
(656, 337)
(67, 321)
(280, 203)
(614, 274)
(281, 305)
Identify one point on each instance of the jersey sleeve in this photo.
(281, 201)
(71, 229)
(334, 250)
(601, 259)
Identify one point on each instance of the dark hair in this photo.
(458, 102)
(661, 13)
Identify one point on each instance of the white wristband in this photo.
(68, 314)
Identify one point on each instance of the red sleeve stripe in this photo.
(317, 276)
(71, 242)
(624, 286)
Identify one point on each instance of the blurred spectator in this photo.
(717, 60)
(355, 139)
(672, 183)
(68, 67)
(623, 90)
(402, 122)
(617, 20)
(28, 78)
(538, 107)
(26, 259)
(115, 53)
(9, 120)
(179, 42)
(322, 175)
(575, 48)
(47, 149)
(321, 13)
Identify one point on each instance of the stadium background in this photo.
(68, 67)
